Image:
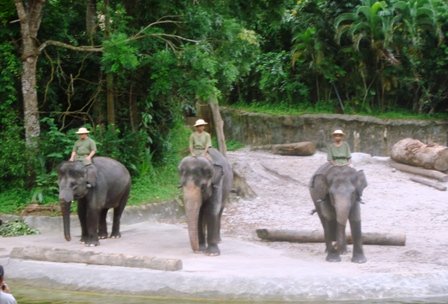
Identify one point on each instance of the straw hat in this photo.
(200, 122)
(83, 131)
(338, 132)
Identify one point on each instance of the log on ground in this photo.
(428, 183)
(313, 236)
(305, 148)
(58, 255)
(413, 152)
(421, 171)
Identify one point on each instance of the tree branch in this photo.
(70, 47)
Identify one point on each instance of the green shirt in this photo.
(83, 148)
(199, 142)
(340, 155)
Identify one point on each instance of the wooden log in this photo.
(420, 171)
(313, 236)
(305, 148)
(428, 183)
(413, 152)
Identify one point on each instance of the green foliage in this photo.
(161, 181)
(233, 145)
(16, 228)
(13, 157)
(14, 199)
(119, 54)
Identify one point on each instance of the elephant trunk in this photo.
(65, 208)
(192, 202)
(342, 207)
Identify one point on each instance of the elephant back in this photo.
(112, 171)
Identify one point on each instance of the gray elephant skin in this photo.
(336, 192)
(112, 186)
(206, 185)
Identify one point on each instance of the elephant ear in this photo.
(320, 184)
(218, 173)
(361, 182)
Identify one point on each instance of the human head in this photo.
(200, 124)
(83, 133)
(338, 135)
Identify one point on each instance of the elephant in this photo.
(206, 184)
(111, 190)
(336, 192)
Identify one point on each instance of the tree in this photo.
(371, 27)
(30, 16)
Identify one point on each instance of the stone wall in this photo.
(363, 133)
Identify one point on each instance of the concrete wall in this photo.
(363, 133)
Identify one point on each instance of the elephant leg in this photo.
(358, 252)
(82, 215)
(118, 211)
(212, 218)
(92, 227)
(102, 229)
(330, 238)
(355, 227)
(219, 225)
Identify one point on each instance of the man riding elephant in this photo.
(83, 151)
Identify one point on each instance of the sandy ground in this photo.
(393, 203)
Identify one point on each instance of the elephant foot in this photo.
(102, 237)
(115, 235)
(92, 244)
(360, 259)
(333, 257)
(212, 251)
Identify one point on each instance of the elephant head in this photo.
(198, 177)
(72, 181)
(337, 193)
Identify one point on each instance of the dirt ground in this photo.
(393, 204)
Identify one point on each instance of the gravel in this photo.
(393, 203)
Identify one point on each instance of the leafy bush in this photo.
(16, 228)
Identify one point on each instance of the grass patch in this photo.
(13, 200)
(323, 107)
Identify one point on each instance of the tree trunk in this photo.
(110, 99)
(30, 16)
(305, 148)
(428, 183)
(420, 171)
(219, 124)
(414, 152)
(300, 236)
(91, 19)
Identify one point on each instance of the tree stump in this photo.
(305, 148)
(414, 152)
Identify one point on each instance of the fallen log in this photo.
(413, 152)
(305, 148)
(314, 236)
(428, 183)
(420, 171)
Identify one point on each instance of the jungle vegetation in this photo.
(130, 70)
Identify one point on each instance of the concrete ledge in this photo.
(90, 257)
